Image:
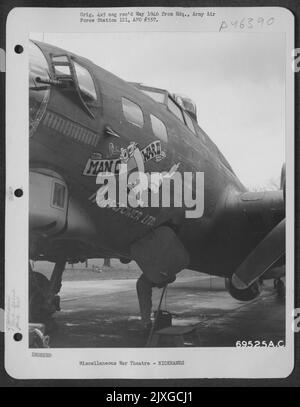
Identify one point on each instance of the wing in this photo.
(262, 258)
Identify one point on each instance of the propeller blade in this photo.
(268, 251)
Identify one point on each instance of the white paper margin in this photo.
(64, 363)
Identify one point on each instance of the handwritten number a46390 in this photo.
(247, 23)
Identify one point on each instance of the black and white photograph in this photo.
(159, 188)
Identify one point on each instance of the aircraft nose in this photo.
(38, 93)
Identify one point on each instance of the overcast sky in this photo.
(236, 81)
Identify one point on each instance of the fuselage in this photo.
(79, 130)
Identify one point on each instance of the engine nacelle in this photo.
(248, 294)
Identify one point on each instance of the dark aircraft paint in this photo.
(72, 127)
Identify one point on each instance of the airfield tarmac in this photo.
(104, 312)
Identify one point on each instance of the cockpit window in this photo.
(132, 112)
(61, 66)
(159, 129)
(157, 96)
(189, 122)
(187, 104)
(62, 70)
(85, 82)
(60, 59)
(175, 109)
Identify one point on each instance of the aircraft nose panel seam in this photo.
(62, 125)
